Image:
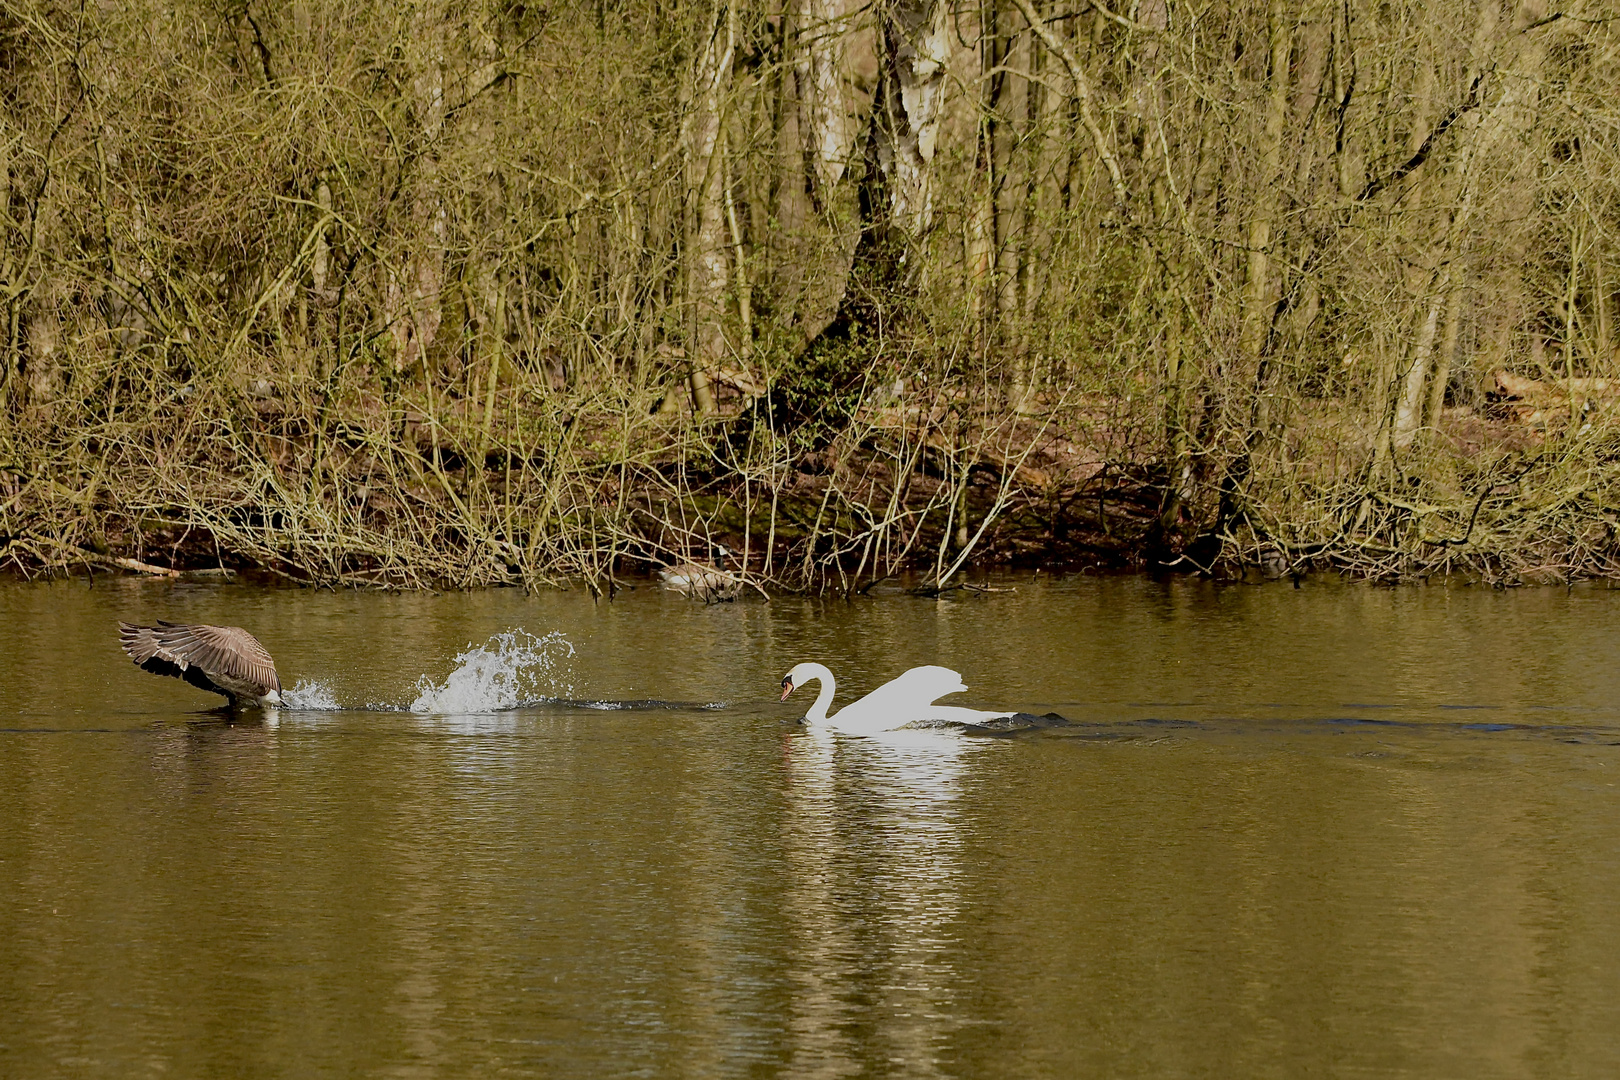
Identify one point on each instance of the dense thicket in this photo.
(487, 291)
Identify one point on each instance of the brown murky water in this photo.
(1333, 831)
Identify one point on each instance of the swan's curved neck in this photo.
(829, 686)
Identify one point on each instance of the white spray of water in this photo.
(510, 669)
(309, 696)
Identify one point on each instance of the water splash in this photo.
(510, 669)
(309, 696)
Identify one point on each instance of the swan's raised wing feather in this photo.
(906, 694)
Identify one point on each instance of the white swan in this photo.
(898, 702)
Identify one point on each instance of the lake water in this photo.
(1328, 831)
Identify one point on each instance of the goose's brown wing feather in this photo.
(228, 651)
(139, 642)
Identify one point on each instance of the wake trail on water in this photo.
(512, 668)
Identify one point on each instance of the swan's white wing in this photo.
(899, 701)
(918, 687)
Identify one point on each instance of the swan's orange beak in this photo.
(787, 686)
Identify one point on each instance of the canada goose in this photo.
(221, 659)
(707, 583)
(704, 582)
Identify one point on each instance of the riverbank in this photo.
(523, 296)
(359, 489)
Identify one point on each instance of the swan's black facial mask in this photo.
(787, 686)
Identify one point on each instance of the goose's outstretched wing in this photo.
(231, 660)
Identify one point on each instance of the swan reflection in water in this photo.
(874, 842)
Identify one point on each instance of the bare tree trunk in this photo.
(1602, 303)
(44, 339)
(1409, 408)
(38, 329)
(826, 112)
(320, 264)
(1002, 131)
(1041, 203)
(1446, 356)
(1148, 108)
(741, 284)
(978, 241)
(1428, 284)
(1080, 87)
(9, 322)
(908, 109)
(1257, 283)
(412, 301)
(896, 191)
(706, 272)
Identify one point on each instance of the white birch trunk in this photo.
(822, 72)
(916, 46)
